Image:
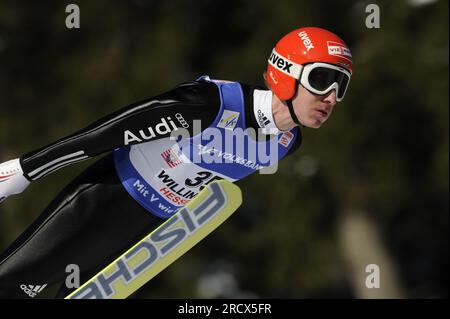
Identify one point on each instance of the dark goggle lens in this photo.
(321, 78)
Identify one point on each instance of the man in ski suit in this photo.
(146, 175)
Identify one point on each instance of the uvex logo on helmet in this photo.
(284, 65)
(306, 40)
(280, 63)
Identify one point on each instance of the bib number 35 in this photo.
(202, 179)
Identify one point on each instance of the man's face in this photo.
(313, 110)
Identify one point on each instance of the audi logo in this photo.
(181, 120)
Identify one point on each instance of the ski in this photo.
(124, 276)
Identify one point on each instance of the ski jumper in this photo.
(143, 178)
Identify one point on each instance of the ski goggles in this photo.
(320, 78)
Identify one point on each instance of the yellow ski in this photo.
(124, 276)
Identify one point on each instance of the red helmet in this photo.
(304, 46)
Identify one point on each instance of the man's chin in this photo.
(314, 124)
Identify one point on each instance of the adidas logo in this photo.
(32, 290)
(262, 119)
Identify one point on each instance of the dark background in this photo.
(369, 187)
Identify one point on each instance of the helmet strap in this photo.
(291, 111)
(291, 107)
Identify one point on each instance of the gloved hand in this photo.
(12, 180)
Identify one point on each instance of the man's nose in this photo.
(330, 98)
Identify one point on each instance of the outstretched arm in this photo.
(139, 122)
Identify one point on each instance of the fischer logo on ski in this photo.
(167, 243)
